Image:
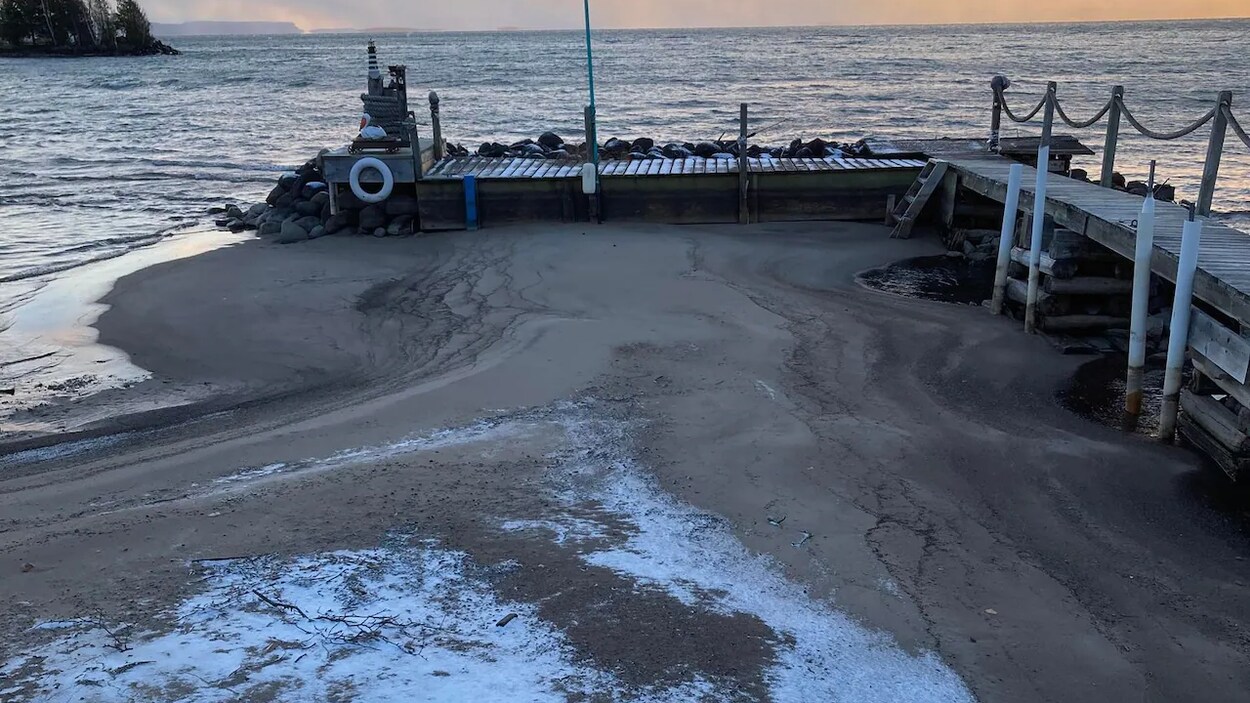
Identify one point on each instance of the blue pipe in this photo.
(590, 73)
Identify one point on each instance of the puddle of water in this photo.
(1096, 393)
(942, 278)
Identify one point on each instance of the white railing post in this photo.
(1178, 330)
(1039, 210)
(1010, 210)
(1141, 304)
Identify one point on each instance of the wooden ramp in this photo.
(1109, 217)
(523, 168)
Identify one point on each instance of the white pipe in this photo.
(1010, 209)
(1035, 245)
(1141, 304)
(1178, 331)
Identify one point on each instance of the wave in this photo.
(131, 244)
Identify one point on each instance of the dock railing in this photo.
(1220, 116)
(1222, 119)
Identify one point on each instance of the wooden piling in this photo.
(437, 125)
(1113, 137)
(1215, 151)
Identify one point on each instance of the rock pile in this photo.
(551, 146)
(298, 208)
(1164, 192)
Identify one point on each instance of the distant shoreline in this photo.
(156, 48)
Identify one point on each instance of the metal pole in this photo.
(593, 143)
(1141, 304)
(1178, 330)
(1039, 211)
(1113, 137)
(1005, 237)
(589, 115)
(1215, 150)
(436, 125)
(744, 211)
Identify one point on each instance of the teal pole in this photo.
(590, 73)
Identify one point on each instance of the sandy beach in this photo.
(695, 463)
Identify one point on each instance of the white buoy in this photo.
(1178, 331)
(1141, 304)
(1006, 236)
(589, 181)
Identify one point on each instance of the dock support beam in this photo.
(1215, 151)
(744, 208)
(1039, 210)
(1178, 330)
(1141, 303)
(436, 124)
(592, 156)
(1005, 236)
(1105, 179)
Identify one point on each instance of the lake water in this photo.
(105, 155)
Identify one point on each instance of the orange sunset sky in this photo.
(542, 14)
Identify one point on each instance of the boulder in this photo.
(372, 218)
(551, 140)
(257, 210)
(270, 228)
(291, 233)
(705, 149)
(636, 156)
(379, 232)
(643, 144)
(237, 226)
(317, 232)
(287, 179)
(492, 149)
(400, 225)
(233, 211)
(307, 223)
(533, 150)
(401, 204)
(216, 211)
(313, 188)
(320, 197)
(818, 146)
(285, 201)
(558, 154)
(804, 153)
(307, 207)
(338, 222)
(1165, 192)
(277, 192)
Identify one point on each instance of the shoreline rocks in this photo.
(551, 146)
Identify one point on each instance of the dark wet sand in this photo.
(953, 502)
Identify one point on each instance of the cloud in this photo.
(540, 14)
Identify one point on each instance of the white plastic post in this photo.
(1178, 331)
(589, 180)
(1039, 212)
(1005, 237)
(1141, 303)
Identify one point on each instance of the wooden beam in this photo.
(1235, 467)
(1064, 268)
(1089, 285)
(1217, 420)
(1226, 383)
(1067, 323)
(1220, 345)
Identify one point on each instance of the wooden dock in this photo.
(1109, 217)
(520, 168)
(675, 191)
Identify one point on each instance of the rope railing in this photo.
(1220, 117)
(1237, 128)
(1166, 136)
(1086, 123)
(1102, 112)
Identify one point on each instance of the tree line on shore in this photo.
(76, 26)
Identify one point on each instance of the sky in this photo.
(557, 14)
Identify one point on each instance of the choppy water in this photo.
(103, 155)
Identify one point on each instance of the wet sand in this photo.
(604, 428)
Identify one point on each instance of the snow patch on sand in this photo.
(696, 557)
(409, 622)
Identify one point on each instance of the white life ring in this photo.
(388, 180)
